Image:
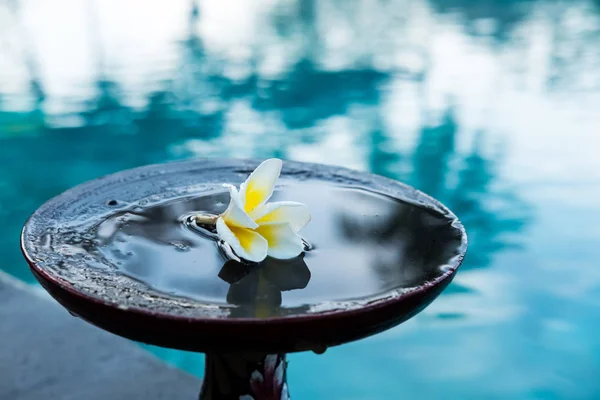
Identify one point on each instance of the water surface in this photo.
(363, 245)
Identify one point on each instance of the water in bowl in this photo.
(363, 245)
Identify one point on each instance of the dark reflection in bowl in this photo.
(256, 289)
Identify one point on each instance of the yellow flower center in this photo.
(255, 194)
(244, 235)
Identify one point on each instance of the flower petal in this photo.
(246, 243)
(294, 213)
(283, 242)
(258, 188)
(235, 214)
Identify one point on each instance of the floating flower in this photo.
(254, 228)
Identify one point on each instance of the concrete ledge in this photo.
(45, 353)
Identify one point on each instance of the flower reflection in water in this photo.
(256, 291)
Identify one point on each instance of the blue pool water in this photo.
(490, 106)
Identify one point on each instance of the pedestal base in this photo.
(245, 376)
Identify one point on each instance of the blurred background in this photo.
(491, 106)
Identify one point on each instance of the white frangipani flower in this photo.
(256, 229)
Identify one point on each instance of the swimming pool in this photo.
(490, 106)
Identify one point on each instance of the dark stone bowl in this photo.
(127, 308)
